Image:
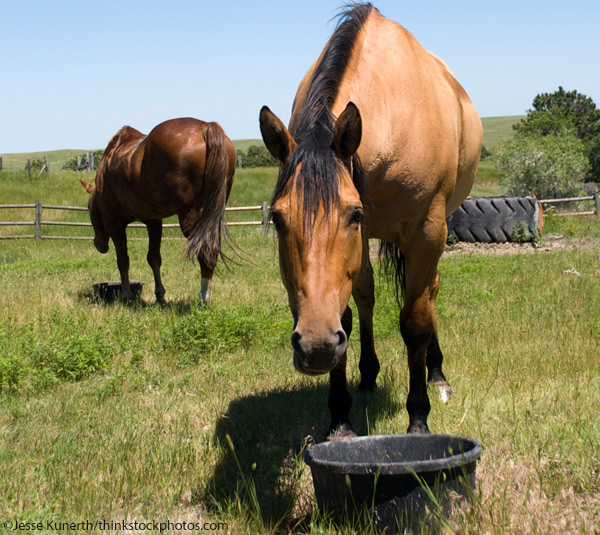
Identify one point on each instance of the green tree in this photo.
(552, 111)
(258, 156)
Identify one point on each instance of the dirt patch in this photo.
(550, 242)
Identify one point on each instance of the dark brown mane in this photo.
(317, 182)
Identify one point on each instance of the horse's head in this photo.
(317, 212)
(101, 236)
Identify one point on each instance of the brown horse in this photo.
(400, 158)
(184, 167)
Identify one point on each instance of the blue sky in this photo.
(73, 73)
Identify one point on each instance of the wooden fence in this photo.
(38, 223)
(595, 197)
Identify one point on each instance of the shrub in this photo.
(73, 357)
(547, 167)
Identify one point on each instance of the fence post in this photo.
(0, 163)
(29, 166)
(47, 166)
(597, 199)
(38, 219)
(239, 161)
(265, 215)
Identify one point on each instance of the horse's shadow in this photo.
(180, 307)
(262, 437)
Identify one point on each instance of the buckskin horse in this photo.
(183, 166)
(383, 142)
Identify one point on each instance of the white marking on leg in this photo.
(204, 292)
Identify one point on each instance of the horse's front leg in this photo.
(154, 227)
(417, 318)
(364, 297)
(340, 400)
(119, 238)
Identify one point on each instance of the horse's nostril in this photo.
(342, 337)
(296, 342)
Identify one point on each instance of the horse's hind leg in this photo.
(154, 227)
(435, 375)
(206, 273)
(207, 265)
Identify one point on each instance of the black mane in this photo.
(317, 181)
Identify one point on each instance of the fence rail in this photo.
(38, 222)
(595, 197)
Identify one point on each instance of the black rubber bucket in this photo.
(111, 291)
(401, 480)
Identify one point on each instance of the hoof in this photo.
(341, 431)
(418, 429)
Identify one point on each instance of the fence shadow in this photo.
(268, 432)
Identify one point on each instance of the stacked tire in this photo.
(496, 220)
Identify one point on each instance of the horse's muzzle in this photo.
(316, 357)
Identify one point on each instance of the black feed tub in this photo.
(395, 478)
(111, 291)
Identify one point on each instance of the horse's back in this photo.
(421, 134)
(186, 140)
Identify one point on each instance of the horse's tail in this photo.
(209, 226)
(392, 261)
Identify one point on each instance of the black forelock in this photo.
(317, 180)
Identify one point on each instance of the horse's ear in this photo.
(275, 135)
(347, 132)
(88, 186)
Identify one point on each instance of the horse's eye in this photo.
(277, 221)
(356, 217)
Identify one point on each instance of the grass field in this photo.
(127, 413)
(497, 129)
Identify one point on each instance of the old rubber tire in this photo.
(493, 219)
